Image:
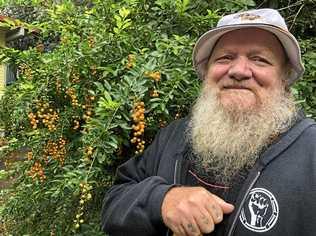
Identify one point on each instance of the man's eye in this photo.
(261, 60)
(225, 58)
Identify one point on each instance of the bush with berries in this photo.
(95, 82)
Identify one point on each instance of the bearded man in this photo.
(244, 161)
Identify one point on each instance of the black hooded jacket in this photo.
(277, 198)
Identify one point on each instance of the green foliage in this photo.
(300, 15)
(306, 88)
(72, 105)
(71, 115)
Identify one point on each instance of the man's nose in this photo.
(240, 69)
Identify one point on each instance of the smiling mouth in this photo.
(235, 87)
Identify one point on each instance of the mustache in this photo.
(236, 85)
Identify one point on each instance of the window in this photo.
(10, 74)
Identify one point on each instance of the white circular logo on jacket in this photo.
(260, 211)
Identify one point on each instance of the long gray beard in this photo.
(224, 141)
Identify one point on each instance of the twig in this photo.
(263, 2)
(299, 10)
(293, 5)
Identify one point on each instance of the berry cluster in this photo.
(88, 153)
(71, 92)
(91, 41)
(87, 115)
(162, 123)
(177, 115)
(47, 116)
(76, 123)
(27, 71)
(88, 107)
(49, 119)
(85, 196)
(33, 120)
(37, 172)
(154, 75)
(64, 40)
(40, 47)
(131, 59)
(138, 126)
(154, 93)
(29, 156)
(3, 142)
(93, 69)
(179, 111)
(56, 150)
(75, 78)
(58, 86)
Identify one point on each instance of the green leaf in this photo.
(124, 12)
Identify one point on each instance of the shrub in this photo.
(95, 82)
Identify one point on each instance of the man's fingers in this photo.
(179, 231)
(215, 211)
(226, 207)
(205, 222)
(191, 228)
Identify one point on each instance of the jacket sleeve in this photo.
(133, 205)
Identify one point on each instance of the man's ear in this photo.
(288, 73)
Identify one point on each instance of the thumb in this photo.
(226, 207)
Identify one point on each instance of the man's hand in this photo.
(193, 210)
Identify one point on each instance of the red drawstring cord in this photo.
(207, 184)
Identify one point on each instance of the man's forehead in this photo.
(249, 34)
(255, 40)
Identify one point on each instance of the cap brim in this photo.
(205, 44)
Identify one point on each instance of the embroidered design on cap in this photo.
(248, 16)
(260, 211)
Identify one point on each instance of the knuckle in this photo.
(197, 233)
(210, 228)
(214, 208)
(192, 229)
(169, 218)
(177, 232)
(172, 218)
(218, 218)
(216, 213)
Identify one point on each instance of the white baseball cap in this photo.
(266, 19)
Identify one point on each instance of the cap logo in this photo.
(248, 16)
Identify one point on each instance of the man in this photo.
(244, 161)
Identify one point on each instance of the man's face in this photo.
(246, 68)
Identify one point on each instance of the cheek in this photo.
(269, 79)
(216, 73)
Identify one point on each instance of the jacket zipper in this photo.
(232, 227)
(175, 174)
